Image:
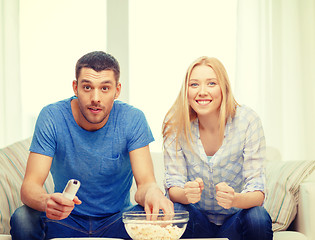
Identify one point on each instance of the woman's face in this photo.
(204, 91)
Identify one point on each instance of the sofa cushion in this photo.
(289, 235)
(283, 181)
(12, 169)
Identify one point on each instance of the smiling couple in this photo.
(214, 151)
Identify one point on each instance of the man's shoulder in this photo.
(56, 109)
(59, 104)
(125, 108)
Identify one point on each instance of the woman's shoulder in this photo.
(245, 113)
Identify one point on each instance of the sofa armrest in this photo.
(13, 160)
(305, 220)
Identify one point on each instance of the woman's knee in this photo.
(258, 214)
(257, 220)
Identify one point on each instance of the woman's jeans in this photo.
(247, 224)
(27, 223)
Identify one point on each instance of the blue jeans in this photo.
(246, 224)
(27, 223)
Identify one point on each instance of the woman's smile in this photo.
(203, 101)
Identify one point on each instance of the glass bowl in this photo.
(142, 226)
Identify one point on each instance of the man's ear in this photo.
(75, 87)
(118, 90)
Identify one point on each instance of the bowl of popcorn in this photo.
(142, 226)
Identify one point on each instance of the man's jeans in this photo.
(27, 223)
(247, 224)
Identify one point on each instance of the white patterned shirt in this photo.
(239, 162)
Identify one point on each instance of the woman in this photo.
(214, 152)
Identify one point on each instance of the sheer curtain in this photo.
(10, 96)
(275, 71)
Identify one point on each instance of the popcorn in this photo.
(142, 226)
(153, 231)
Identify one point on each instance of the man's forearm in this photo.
(144, 190)
(34, 196)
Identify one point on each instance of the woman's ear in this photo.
(75, 87)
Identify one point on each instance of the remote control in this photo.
(71, 189)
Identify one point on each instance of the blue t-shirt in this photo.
(98, 159)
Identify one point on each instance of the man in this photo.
(102, 143)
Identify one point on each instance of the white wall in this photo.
(54, 34)
(165, 37)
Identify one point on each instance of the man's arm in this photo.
(148, 194)
(33, 193)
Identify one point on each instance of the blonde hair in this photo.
(178, 119)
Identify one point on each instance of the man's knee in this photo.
(24, 215)
(25, 221)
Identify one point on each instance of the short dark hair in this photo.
(98, 61)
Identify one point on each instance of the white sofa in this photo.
(291, 190)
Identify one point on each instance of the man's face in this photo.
(96, 92)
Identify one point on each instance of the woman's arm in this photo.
(254, 154)
(227, 198)
(177, 194)
(249, 199)
(191, 193)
